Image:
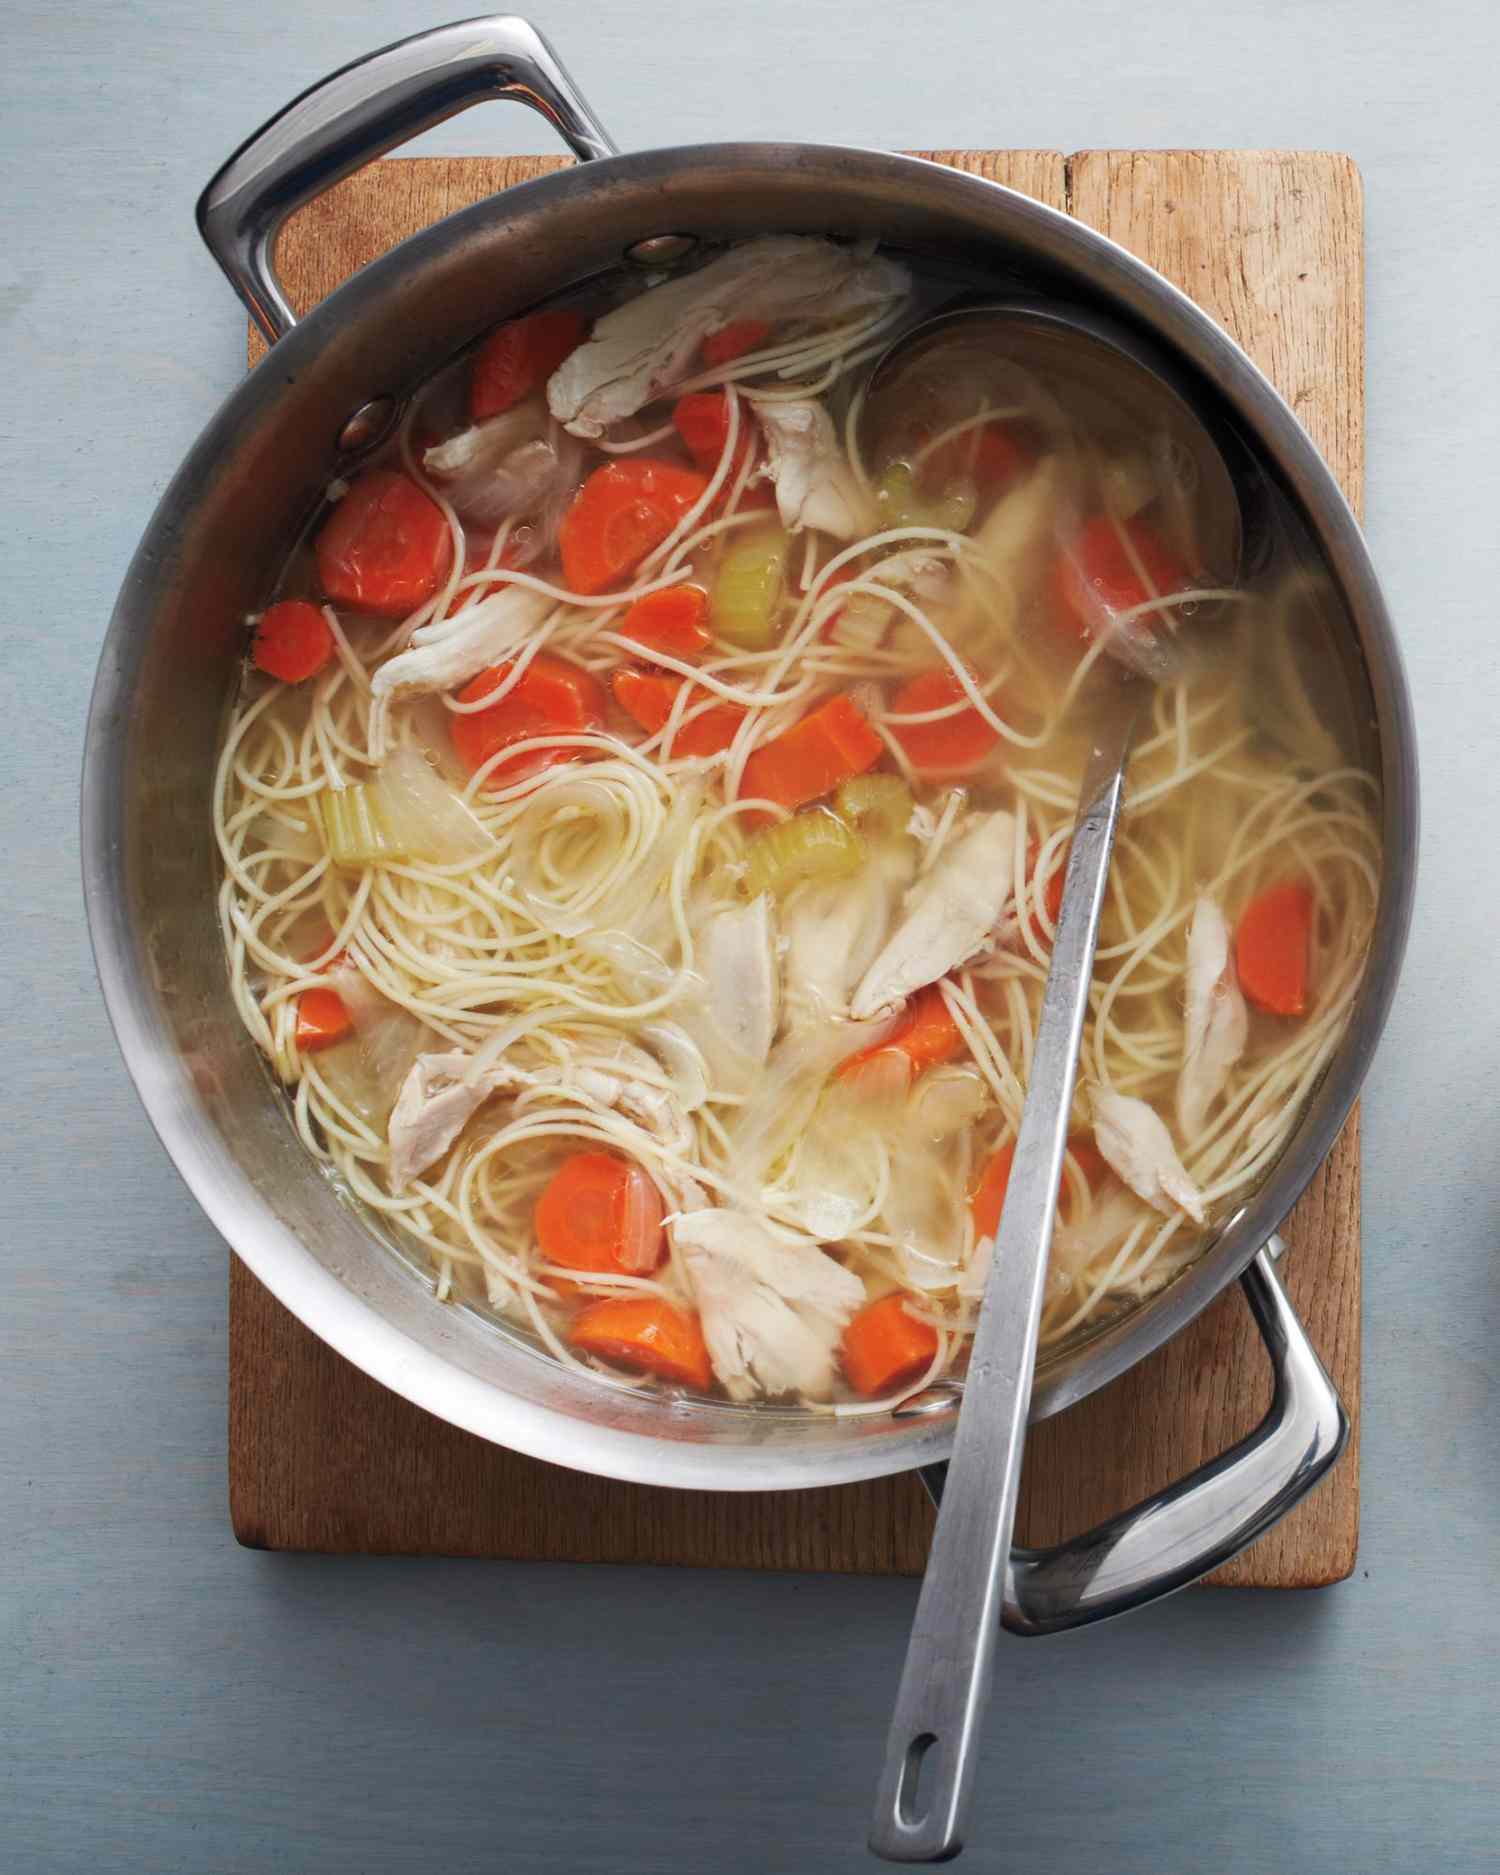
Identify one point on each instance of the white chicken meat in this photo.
(815, 486)
(950, 915)
(772, 1311)
(648, 346)
(439, 1097)
(448, 652)
(1135, 1144)
(1217, 1021)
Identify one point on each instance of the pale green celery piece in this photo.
(354, 829)
(814, 845)
(903, 505)
(745, 604)
(896, 494)
(879, 805)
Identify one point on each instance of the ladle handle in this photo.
(360, 112)
(930, 1754)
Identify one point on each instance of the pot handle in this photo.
(1180, 1534)
(362, 111)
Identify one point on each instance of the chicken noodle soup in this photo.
(644, 816)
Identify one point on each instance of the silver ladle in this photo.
(931, 1752)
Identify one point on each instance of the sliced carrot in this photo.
(734, 340)
(812, 757)
(1273, 948)
(1097, 578)
(951, 746)
(1052, 897)
(702, 421)
(385, 546)
(1089, 1160)
(648, 696)
(600, 1212)
(622, 511)
(512, 362)
(885, 1346)
(987, 1199)
(551, 699)
(322, 1020)
(647, 1333)
(292, 641)
(1052, 892)
(673, 620)
(924, 1035)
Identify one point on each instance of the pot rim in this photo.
(359, 1331)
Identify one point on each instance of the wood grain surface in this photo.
(322, 1458)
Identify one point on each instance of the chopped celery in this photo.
(879, 805)
(745, 605)
(355, 830)
(814, 845)
(903, 505)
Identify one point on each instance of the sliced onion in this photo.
(366, 1072)
(946, 1099)
(683, 1060)
(424, 813)
(787, 1090)
(924, 1213)
(639, 1247)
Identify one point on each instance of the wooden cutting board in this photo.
(322, 1458)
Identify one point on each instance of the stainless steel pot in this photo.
(170, 660)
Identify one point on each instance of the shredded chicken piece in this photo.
(1136, 1145)
(834, 930)
(948, 916)
(772, 1311)
(815, 487)
(737, 956)
(1218, 1024)
(645, 348)
(438, 1098)
(448, 652)
(507, 465)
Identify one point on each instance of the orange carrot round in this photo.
(812, 757)
(622, 511)
(385, 546)
(924, 1035)
(987, 1199)
(674, 620)
(1273, 948)
(886, 1347)
(1097, 578)
(647, 697)
(322, 1020)
(292, 641)
(600, 1212)
(551, 699)
(951, 746)
(518, 358)
(646, 1333)
(702, 421)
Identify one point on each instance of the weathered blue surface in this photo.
(169, 1703)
